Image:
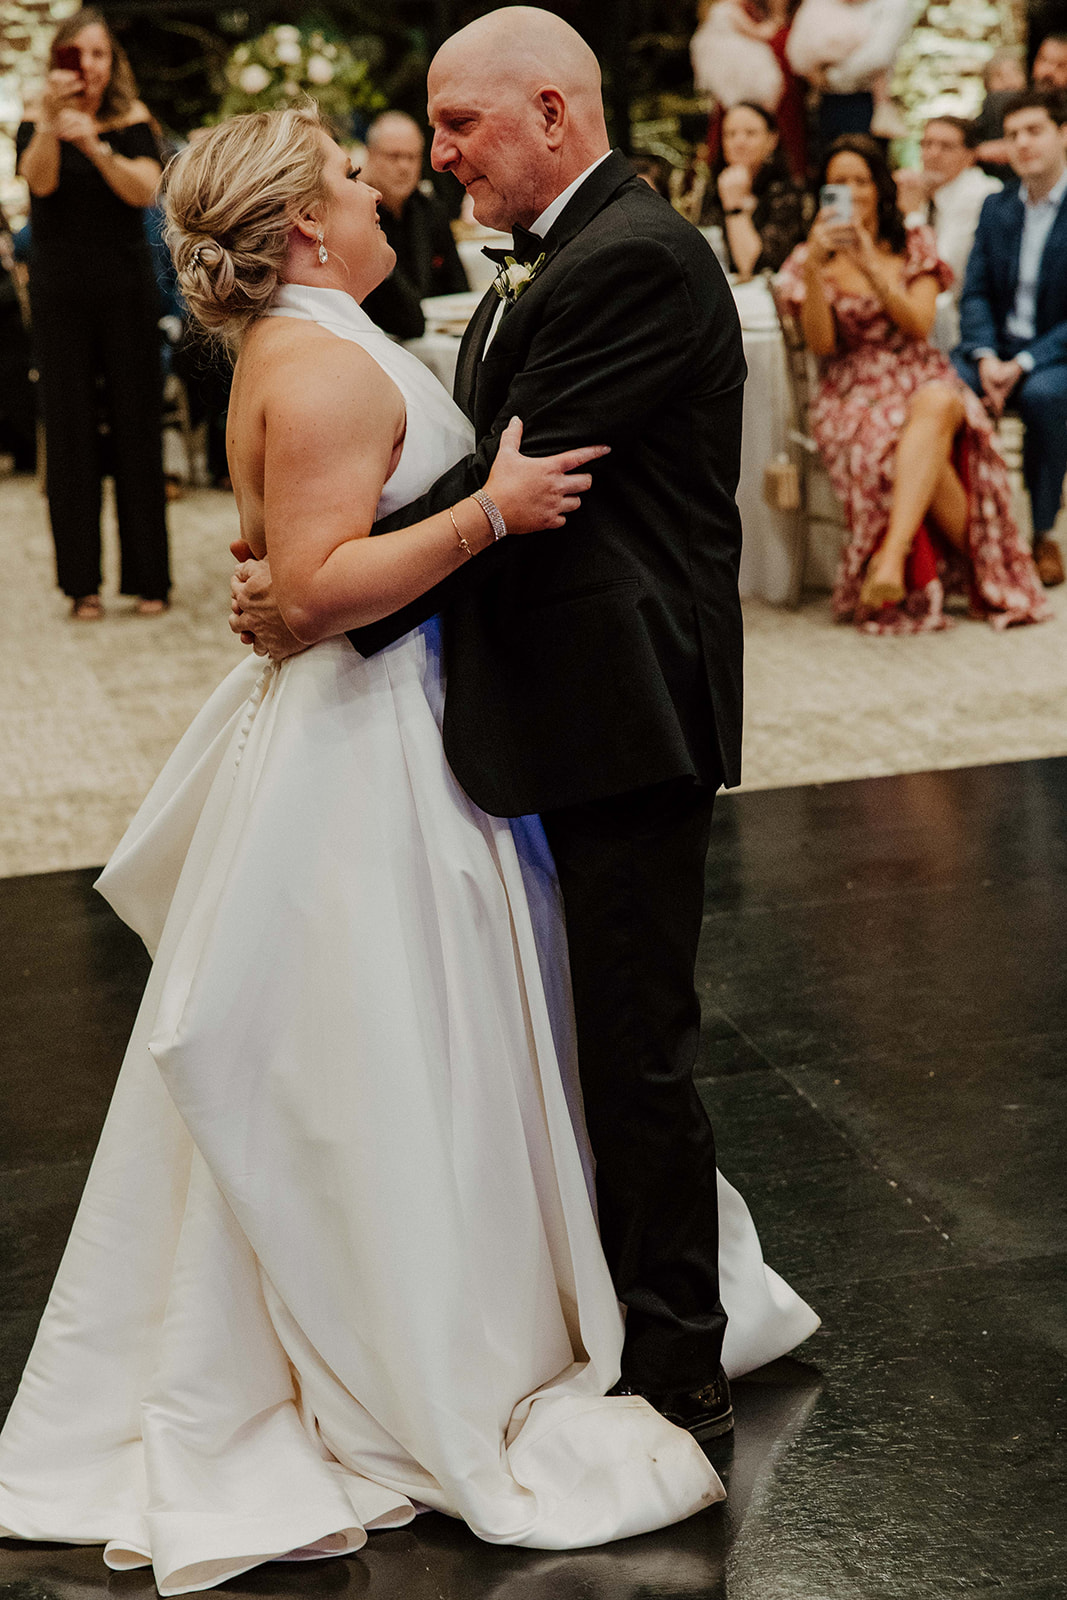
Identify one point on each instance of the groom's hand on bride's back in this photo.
(254, 617)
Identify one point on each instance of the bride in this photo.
(336, 1260)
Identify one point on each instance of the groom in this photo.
(594, 673)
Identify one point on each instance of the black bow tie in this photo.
(525, 247)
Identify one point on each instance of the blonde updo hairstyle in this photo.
(232, 199)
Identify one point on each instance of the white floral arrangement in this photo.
(939, 67)
(285, 63)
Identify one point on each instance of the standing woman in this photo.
(90, 159)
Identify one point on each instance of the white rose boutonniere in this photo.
(516, 276)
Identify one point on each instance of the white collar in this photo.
(951, 186)
(552, 212)
(1054, 196)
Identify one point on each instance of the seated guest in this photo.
(948, 192)
(1013, 310)
(416, 225)
(1049, 70)
(908, 447)
(739, 55)
(752, 197)
(1004, 75)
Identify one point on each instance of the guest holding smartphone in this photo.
(89, 156)
(908, 447)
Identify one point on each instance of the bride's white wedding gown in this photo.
(336, 1257)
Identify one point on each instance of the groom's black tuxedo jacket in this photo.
(604, 656)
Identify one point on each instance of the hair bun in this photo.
(232, 199)
(206, 253)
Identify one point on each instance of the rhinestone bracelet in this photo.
(492, 511)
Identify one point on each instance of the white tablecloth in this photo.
(479, 269)
(768, 534)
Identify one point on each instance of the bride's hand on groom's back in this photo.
(253, 613)
(535, 492)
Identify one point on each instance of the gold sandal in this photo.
(876, 593)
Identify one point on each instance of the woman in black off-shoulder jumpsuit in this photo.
(95, 314)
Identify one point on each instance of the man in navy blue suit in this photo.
(1013, 310)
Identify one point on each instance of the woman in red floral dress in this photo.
(909, 448)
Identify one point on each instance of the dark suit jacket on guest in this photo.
(427, 263)
(993, 275)
(604, 656)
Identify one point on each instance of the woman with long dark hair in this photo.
(908, 447)
(90, 159)
(753, 197)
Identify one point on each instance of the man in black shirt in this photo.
(415, 224)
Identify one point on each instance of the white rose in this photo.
(288, 51)
(286, 33)
(291, 89)
(319, 69)
(254, 79)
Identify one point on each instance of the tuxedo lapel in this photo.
(1049, 276)
(1013, 234)
(470, 351)
(600, 187)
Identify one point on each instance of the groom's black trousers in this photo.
(631, 870)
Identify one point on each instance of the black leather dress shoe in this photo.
(706, 1413)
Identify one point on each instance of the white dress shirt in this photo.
(551, 212)
(542, 225)
(954, 212)
(1038, 217)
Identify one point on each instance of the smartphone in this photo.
(68, 58)
(836, 197)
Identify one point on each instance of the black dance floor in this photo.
(883, 1053)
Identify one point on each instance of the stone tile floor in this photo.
(885, 1026)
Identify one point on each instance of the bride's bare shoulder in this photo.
(289, 356)
(314, 391)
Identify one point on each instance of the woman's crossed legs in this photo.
(926, 484)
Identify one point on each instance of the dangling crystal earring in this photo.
(324, 254)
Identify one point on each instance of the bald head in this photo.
(523, 45)
(516, 108)
(395, 146)
(388, 123)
